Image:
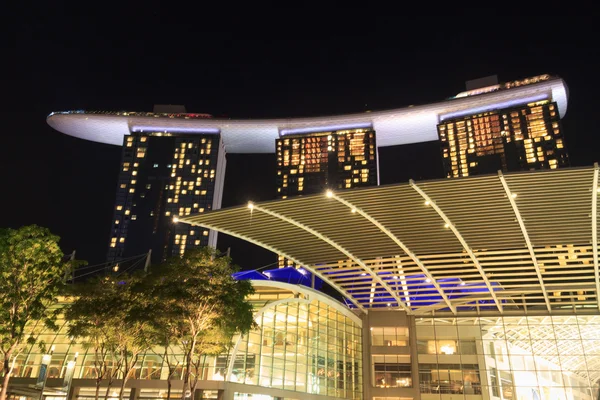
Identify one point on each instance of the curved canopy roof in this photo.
(394, 127)
(509, 243)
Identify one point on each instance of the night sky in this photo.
(130, 58)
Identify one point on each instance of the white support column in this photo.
(289, 257)
(339, 248)
(595, 231)
(462, 242)
(513, 203)
(400, 244)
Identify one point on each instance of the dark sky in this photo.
(129, 58)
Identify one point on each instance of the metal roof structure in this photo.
(406, 125)
(509, 243)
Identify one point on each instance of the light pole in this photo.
(68, 378)
(43, 375)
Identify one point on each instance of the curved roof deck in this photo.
(514, 243)
(394, 127)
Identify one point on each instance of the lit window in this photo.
(122, 240)
(392, 371)
(127, 212)
(155, 166)
(119, 208)
(148, 186)
(123, 186)
(134, 217)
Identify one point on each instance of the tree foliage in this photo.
(31, 274)
(198, 307)
(102, 318)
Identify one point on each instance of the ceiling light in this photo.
(446, 226)
(514, 195)
(250, 205)
(427, 203)
(329, 194)
(353, 210)
(175, 219)
(428, 280)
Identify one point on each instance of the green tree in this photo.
(101, 316)
(198, 307)
(31, 275)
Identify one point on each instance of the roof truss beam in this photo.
(338, 247)
(400, 244)
(462, 242)
(513, 203)
(288, 256)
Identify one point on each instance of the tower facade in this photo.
(526, 137)
(164, 175)
(312, 163)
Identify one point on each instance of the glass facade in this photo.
(162, 175)
(516, 139)
(509, 358)
(305, 342)
(305, 346)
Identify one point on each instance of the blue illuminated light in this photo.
(325, 128)
(495, 106)
(156, 128)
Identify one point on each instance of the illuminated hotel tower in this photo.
(312, 163)
(518, 138)
(164, 175)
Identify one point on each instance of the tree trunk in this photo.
(5, 382)
(169, 384)
(97, 389)
(7, 369)
(186, 376)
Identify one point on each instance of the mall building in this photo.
(472, 288)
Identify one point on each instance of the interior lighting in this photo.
(329, 194)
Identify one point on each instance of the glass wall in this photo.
(510, 358)
(310, 347)
(305, 342)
